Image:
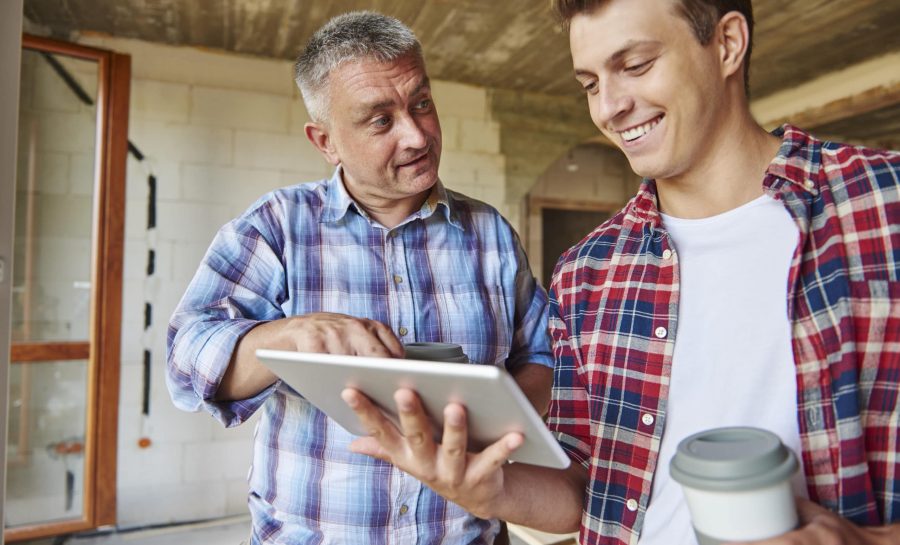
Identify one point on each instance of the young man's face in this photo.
(652, 88)
(384, 129)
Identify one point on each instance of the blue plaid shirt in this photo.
(454, 271)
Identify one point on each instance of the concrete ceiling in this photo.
(509, 44)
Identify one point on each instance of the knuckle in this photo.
(416, 439)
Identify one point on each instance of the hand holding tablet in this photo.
(494, 404)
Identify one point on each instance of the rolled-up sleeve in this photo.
(531, 340)
(240, 283)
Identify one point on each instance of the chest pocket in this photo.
(475, 317)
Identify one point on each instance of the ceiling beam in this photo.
(842, 94)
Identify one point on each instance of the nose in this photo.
(412, 135)
(611, 101)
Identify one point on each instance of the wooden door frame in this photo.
(102, 350)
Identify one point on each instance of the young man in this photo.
(753, 280)
(378, 255)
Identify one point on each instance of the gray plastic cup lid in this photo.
(435, 352)
(732, 459)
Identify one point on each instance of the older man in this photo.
(377, 255)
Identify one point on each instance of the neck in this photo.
(728, 174)
(387, 211)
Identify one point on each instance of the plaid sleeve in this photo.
(238, 285)
(569, 414)
(531, 341)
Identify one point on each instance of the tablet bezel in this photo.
(494, 403)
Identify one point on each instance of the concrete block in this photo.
(64, 216)
(283, 152)
(216, 460)
(236, 492)
(52, 173)
(192, 222)
(82, 175)
(141, 505)
(459, 100)
(186, 257)
(237, 109)
(494, 196)
(227, 185)
(450, 133)
(479, 136)
(65, 132)
(160, 100)
(158, 464)
(294, 177)
(182, 143)
(167, 174)
(170, 425)
(299, 116)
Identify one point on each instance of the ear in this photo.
(318, 135)
(732, 38)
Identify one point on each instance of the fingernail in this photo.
(514, 442)
(349, 399)
(455, 419)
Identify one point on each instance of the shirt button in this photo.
(660, 332)
(631, 504)
(809, 184)
(398, 279)
(667, 254)
(402, 331)
(403, 509)
(647, 419)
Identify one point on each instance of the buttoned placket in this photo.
(652, 418)
(399, 290)
(404, 490)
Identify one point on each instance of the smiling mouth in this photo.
(414, 162)
(634, 133)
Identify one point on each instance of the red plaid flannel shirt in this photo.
(613, 314)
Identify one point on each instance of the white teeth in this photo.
(637, 132)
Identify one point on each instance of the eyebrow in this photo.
(366, 108)
(617, 57)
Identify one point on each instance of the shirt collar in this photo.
(797, 163)
(338, 203)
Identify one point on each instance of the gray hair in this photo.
(348, 37)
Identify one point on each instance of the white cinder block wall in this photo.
(218, 130)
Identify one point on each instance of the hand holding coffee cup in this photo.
(737, 483)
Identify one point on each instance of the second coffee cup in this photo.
(447, 352)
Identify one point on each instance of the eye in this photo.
(639, 68)
(381, 122)
(424, 104)
(589, 87)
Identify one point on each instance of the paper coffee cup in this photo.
(737, 483)
(447, 352)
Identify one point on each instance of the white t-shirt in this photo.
(733, 364)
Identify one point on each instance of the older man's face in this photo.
(384, 130)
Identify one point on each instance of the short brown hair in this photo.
(702, 15)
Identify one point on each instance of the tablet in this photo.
(494, 403)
